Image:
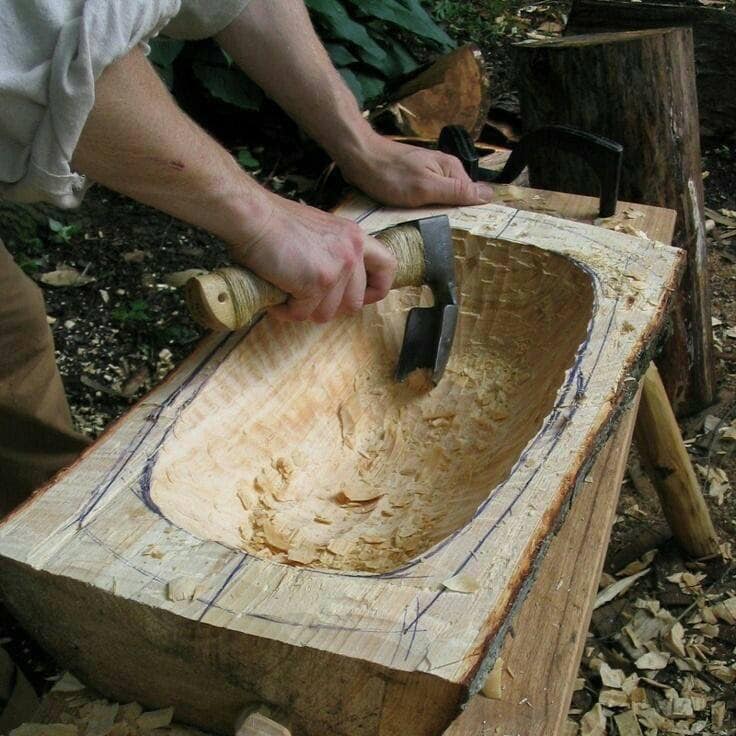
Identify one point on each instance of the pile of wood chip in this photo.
(650, 669)
(70, 709)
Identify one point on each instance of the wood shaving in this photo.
(155, 719)
(674, 640)
(726, 611)
(638, 565)
(461, 583)
(276, 536)
(340, 546)
(492, 687)
(717, 713)
(304, 554)
(652, 661)
(611, 678)
(627, 724)
(67, 683)
(361, 492)
(99, 716)
(593, 723)
(182, 589)
(616, 589)
(46, 729)
(613, 699)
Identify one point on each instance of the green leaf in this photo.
(372, 86)
(247, 160)
(164, 50)
(412, 18)
(136, 311)
(62, 233)
(339, 54)
(355, 87)
(335, 18)
(229, 85)
(166, 73)
(400, 60)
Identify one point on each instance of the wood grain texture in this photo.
(93, 559)
(637, 88)
(454, 90)
(542, 654)
(714, 33)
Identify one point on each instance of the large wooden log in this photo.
(272, 527)
(714, 35)
(454, 90)
(637, 88)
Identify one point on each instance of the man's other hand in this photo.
(406, 176)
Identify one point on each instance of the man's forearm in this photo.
(138, 142)
(274, 42)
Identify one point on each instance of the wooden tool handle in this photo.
(230, 298)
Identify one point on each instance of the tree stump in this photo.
(714, 33)
(637, 88)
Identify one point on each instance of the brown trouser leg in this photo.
(36, 434)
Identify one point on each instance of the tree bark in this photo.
(637, 88)
(714, 34)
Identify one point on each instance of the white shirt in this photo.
(51, 53)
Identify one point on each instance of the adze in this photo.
(231, 298)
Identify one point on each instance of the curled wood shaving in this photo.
(361, 492)
(617, 588)
(492, 686)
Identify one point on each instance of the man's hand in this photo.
(406, 176)
(327, 264)
(300, 77)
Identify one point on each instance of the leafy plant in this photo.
(63, 233)
(366, 40)
(136, 311)
(246, 159)
(163, 52)
(29, 265)
(178, 335)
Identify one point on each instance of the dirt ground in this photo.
(127, 327)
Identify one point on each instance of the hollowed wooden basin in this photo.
(304, 449)
(281, 523)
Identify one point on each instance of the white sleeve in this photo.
(204, 18)
(51, 54)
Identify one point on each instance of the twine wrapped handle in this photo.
(231, 298)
